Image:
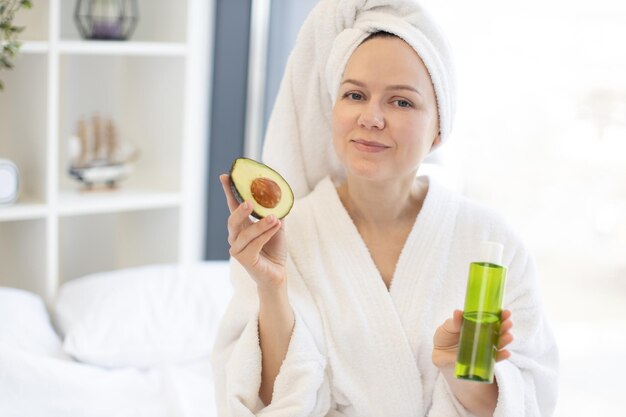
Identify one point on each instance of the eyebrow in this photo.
(390, 87)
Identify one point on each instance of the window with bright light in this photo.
(540, 135)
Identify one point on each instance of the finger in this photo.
(446, 336)
(505, 315)
(506, 326)
(251, 233)
(502, 355)
(451, 327)
(251, 252)
(457, 317)
(246, 235)
(505, 340)
(238, 220)
(230, 198)
(454, 325)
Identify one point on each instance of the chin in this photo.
(378, 171)
(367, 170)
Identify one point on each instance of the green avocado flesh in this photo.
(265, 188)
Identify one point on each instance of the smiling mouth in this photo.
(367, 146)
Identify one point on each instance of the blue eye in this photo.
(404, 103)
(354, 96)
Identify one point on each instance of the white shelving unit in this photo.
(155, 87)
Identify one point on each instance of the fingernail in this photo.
(271, 218)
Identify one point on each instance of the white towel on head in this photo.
(298, 142)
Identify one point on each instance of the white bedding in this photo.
(35, 385)
(39, 383)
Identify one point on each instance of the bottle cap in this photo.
(491, 252)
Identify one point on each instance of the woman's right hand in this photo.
(260, 247)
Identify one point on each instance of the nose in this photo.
(371, 116)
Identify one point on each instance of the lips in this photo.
(369, 146)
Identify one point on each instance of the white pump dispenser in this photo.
(490, 252)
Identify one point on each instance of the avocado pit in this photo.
(266, 192)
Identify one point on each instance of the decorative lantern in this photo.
(106, 19)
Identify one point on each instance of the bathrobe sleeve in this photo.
(302, 385)
(527, 381)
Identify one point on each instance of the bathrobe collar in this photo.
(390, 318)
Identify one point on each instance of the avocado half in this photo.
(265, 188)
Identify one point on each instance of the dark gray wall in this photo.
(230, 80)
(286, 19)
(228, 113)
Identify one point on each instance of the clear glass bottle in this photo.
(480, 331)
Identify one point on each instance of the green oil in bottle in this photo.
(481, 316)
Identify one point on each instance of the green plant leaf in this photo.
(9, 45)
(4, 61)
(11, 49)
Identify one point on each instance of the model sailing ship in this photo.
(97, 156)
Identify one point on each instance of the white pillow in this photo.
(25, 324)
(144, 317)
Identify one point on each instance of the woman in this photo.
(347, 306)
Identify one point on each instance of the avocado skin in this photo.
(233, 188)
(238, 196)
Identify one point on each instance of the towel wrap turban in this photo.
(298, 141)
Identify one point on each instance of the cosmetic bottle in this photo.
(480, 330)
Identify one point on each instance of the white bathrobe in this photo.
(359, 349)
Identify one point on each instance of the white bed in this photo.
(128, 343)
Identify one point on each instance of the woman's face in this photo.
(385, 118)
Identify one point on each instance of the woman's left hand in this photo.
(446, 340)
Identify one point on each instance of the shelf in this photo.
(144, 98)
(159, 21)
(34, 47)
(34, 21)
(111, 241)
(153, 88)
(23, 122)
(75, 203)
(23, 211)
(123, 48)
(22, 251)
